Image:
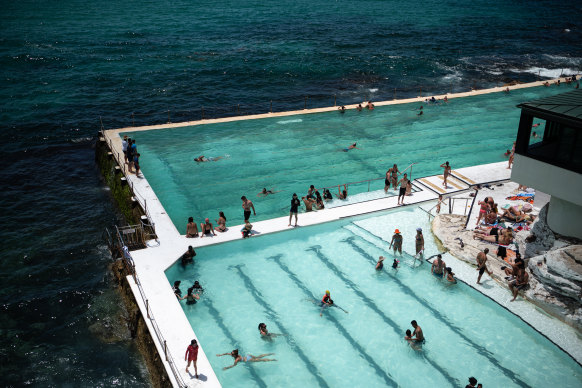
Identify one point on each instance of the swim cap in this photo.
(326, 292)
(206, 220)
(419, 229)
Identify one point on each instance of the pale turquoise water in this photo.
(291, 153)
(272, 278)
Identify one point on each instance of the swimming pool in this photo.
(275, 279)
(291, 153)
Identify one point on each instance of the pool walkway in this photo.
(150, 263)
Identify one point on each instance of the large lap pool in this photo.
(275, 279)
(291, 153)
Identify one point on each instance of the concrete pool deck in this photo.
(150, 263)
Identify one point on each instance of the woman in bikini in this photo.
(483, 211)
(207, 228)
(191, 228)
(248, 358)
(221, 221)
(394, 176)
(446, 173)
(491, 217)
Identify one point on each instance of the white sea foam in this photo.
(550, 73)
(289, 121)
(374, 90)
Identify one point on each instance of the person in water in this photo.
(265, 192)
(326, 301)
(308, 203)
(327, 195)
(397, 242)
(248, 358)
(202, 158)
(197, 287)
(370, 105)
(265, 333)
(350, 148)
(380, 264)
(191, 297)
(188, 256)
(450, 275)
(395, 264)
(191, 228)
(417, 335)
(319, 201)
(419, 241)
(359, 107)
(207, 228)
(438, 267)
(342, 194)
(342, 109)
(177, 290)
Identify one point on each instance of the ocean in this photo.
(69, 67)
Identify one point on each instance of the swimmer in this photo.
(380, 264)
(188, 256)
(417, 334)
(395, 264)
(308, 203)
(190, 297)
(326, 301)
(397, 241)
(202, 158)
(265, 333)
(370, 106)
(420, 113)
(403, 183)
(506, 90)
(248, 358)
(408, 335)
(359, 107)
(446, 99)
(342, 194)
(350, 148)
(342, 109)
(419, 242)
(266, 192)
(536, 125)
(534, 135)
(207, 228)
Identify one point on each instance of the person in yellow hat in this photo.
(397, 242)
(326, 301)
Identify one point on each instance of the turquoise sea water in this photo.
(287, 154)
(275, 279)
(64, 64)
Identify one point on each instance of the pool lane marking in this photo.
(463, 178)
(397, 329)
(431, 186)
(452, 180)
(480, 349)
(273, 316)
(387, 378)
(216, 315)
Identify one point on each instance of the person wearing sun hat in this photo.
(380, 264)
(397, 241)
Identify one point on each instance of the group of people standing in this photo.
(404, 183)
(130, 154)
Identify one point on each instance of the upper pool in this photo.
(290, 153)
(275, 278)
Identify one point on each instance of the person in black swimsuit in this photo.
(207, 228)
(294, 207)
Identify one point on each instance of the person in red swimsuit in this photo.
(192, 356)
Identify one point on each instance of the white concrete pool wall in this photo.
(151, 263)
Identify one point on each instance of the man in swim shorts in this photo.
(438, 267)
(247, 205)
(403, 183)
(417, 333)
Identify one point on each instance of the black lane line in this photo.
(398, 330)
(480, 349)
(274, 317)
(389, 381)
(216, 315)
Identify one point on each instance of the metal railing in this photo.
(150, 225)
(129, 263)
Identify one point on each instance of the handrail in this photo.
(471, 210)
(150, 315)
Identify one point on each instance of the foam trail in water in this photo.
(289, 121)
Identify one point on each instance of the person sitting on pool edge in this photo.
(438, 267)
(247, 229)
(248, 358)
(221, 221)
(327, 195)
(319, 201)
(207, 228)
(191, 228)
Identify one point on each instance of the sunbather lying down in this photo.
(516, 215)
(495, 235)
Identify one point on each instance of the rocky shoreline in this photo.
(554, 263)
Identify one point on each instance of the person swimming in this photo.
(326, 301)
(350, 148)
(248, 358)
(266, 192)
(265, 333)
(202, 158)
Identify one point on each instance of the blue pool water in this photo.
(275, 278)
(290, 153)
